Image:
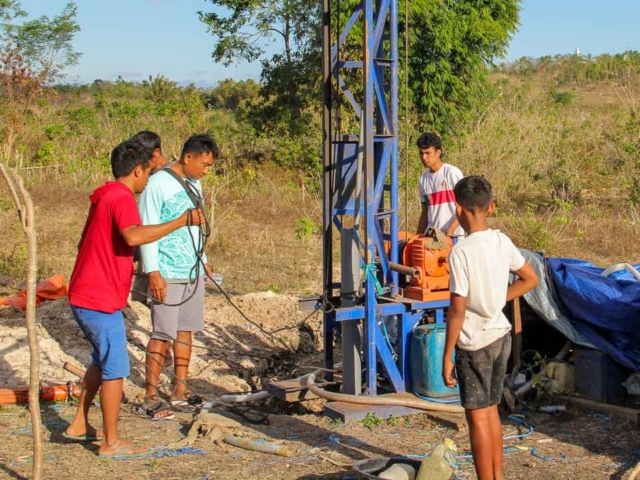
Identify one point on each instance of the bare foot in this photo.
(121, 448)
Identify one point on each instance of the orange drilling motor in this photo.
(428, 255)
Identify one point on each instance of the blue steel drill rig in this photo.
(388, 281)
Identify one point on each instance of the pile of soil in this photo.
(232, 354)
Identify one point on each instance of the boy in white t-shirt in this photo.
(436, 188)
(476, 327)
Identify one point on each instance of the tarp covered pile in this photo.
(588, 308)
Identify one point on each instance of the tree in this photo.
(44, 43)
(159, 89)
(244, 28)
(247, 26)
(452, 44)
(10, 9)
(231, 94)
(26, 213)
(32, 54)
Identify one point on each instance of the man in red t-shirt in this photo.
(100, 285)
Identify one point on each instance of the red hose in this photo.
(52, 393)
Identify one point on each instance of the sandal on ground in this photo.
(190, 400)
(153, 408)
(91, 436)
(125, 452)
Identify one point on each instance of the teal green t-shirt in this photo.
(174, 256)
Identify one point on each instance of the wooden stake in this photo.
(26, 214)
(517, 334)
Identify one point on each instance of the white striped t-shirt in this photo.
(436, 191)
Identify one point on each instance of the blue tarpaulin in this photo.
(604, 311)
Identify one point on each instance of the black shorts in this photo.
(481, 373)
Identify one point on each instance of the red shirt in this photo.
(103, 273)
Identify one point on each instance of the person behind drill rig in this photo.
(100, 285)
(436, 188)
(178, 308)
(479, 267)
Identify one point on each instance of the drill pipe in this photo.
(403, 269)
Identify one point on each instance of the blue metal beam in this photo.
(376, 105)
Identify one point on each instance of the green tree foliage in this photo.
(577, 69)
(10, 9)
(45, 44)
(159, 89)
(246, 27)
(452, 45)
(32, 54)
(231, 94)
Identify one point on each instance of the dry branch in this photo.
(26, 213)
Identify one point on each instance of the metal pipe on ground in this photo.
(53, 393)
(418, 404)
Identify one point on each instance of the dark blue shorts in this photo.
(108, 337)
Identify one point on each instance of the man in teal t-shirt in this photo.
(173, 266)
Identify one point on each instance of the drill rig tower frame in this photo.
(361, 206)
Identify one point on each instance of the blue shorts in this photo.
(108, 337)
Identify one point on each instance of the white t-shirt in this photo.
(436, 191)
(479, 267)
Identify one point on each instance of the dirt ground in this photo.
(233, 355)
(576, 447)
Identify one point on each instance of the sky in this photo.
(138, 38)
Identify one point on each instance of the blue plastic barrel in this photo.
(427, 348)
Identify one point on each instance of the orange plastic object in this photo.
(53, 288)
(54, 393)
(433, 263)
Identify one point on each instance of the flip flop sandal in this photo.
(87, 437)
(122, 453)
(190, 401)
(152, 409)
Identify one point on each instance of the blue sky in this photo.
(138, 38)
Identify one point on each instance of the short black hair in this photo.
(429, 139)
(200, 144)
(473, 192)
(127, 156)
(148, 139)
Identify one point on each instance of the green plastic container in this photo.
(427, 348)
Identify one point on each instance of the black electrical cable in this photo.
(199, 245)
(205, 233)
(199, 250)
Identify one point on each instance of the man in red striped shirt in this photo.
(436, 188)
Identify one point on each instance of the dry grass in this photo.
(254, 243)
(563, 175)
(257, 246)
